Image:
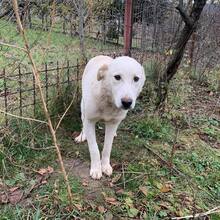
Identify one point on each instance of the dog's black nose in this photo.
(126, 103)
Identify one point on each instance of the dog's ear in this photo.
(101, 72)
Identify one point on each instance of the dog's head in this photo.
(124, 77)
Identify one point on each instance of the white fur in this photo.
(102, 98)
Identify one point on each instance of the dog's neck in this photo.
(106, 99)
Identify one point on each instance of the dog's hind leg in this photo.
(82, 136)
(110, 132)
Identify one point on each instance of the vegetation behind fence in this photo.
(19, 94)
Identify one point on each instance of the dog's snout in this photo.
(126, 103)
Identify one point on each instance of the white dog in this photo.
(109, 88)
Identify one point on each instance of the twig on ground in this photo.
(127, 181)
(123, 175)
(41, 148)
(164, 161)
(212, 211)
(38, 84)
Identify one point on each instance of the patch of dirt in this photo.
(93, 188)
(211, 141)
(202, 101)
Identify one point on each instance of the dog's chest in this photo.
(110, 113)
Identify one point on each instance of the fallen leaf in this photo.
(120, 191)
(44, 171)
(13, 189)
(15, 196)
(144, 190)
(50, 169)
(78, 206)
(44, 181)
(101, 209)
(167, 187)
(85, 183)
(116, 178)
(69, 208)
(111, 201)
(165, 205)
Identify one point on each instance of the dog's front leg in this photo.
(110, 131)
(95, 169)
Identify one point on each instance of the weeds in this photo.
(141, 187)
(153, 128)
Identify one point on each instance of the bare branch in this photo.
(38, 84)
(214, 210)
(185, 16)
(14, 46)
(23, 118)
(67, 109)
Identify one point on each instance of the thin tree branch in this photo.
(38, 83)
(67, 109)
(14, 46)
(23, 118)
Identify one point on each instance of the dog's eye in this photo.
(136, 78)
(117, 77)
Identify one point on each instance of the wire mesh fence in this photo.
(155, 29)
(19, 94)
(156, 26)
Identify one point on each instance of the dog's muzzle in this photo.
(126, 103)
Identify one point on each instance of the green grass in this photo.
(196, 188)
(45, 46)
(142, 185)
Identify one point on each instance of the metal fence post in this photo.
(6, 98)
(68, 72)
(58, 79)
(128, 27)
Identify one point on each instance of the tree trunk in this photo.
(192, 49)
(172, 67)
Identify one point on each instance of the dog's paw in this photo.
(96, 172)
(107, 169)
(80, 138)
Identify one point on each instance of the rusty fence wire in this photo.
(19, 94)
